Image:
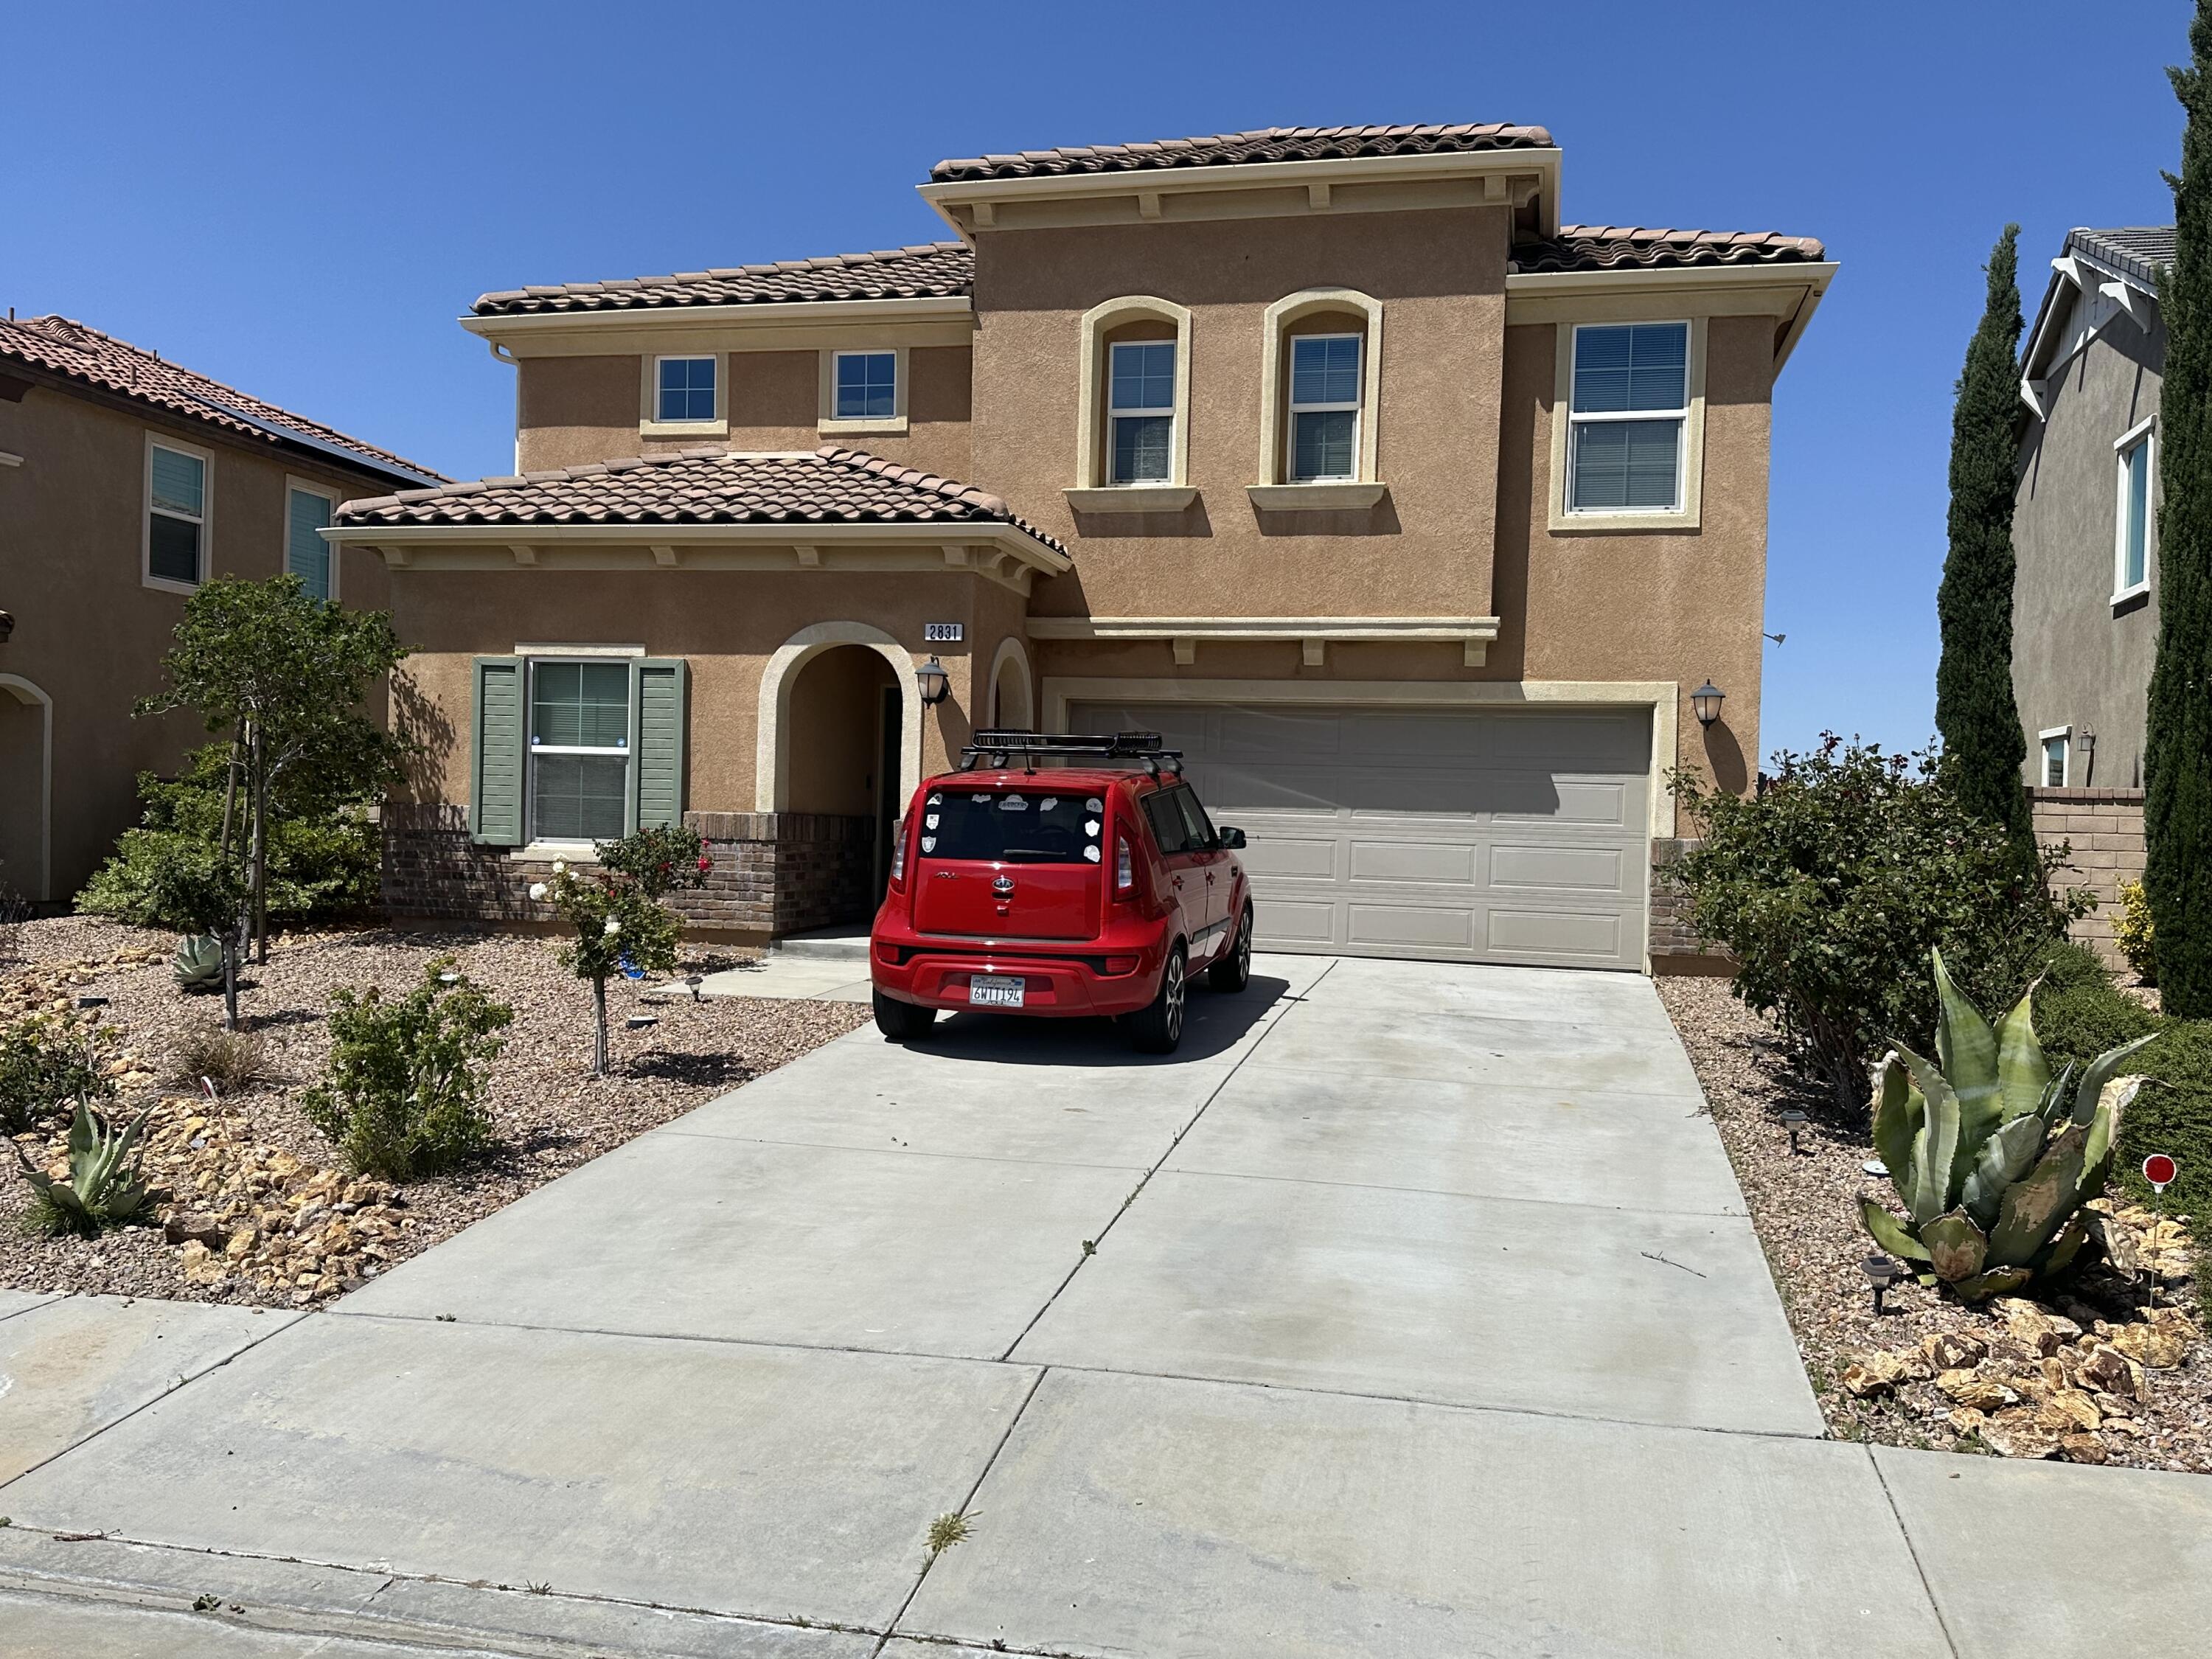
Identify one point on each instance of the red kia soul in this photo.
(1030, 882)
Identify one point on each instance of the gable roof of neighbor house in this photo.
(706, 484)
(1243, 149)
(2138, 252)
(86, 357)
(2129, 257)
(1636, 247)
(932, 269)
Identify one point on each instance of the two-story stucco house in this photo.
(1413, 515)
(126, 482)
(2085, 539)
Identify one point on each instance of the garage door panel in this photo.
(1512, 834)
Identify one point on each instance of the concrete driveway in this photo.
(1408, 1310)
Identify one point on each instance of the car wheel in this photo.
(901, 1022)
(1234, 971)
(1158, 1029)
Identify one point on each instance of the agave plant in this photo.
(198, 961)
(103, 1190)
(1992, 1156)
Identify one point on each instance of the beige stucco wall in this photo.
(726, 624)
(573, 410)
(836, 714)
(88, 633)
(1424, 550)
(1646, 604)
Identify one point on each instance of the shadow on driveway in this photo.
(1213, 1024)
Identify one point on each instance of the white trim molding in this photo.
(1472, 634)
(1094, 490)
(1275, 490)
(772, 715)
(1662, 697)
(2065, 734)
(698, 330)
(2144, 435)
(24, 692)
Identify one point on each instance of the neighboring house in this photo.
(1411, 514)
(126, 482)
(2085, 536)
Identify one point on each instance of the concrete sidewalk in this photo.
(1407, 1311)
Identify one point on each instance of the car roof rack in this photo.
(999, 748)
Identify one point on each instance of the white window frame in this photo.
(330, 499)
(2142, 435)
(1355, 406)
(206, 520)
(1683, 416)
(2063, 737)
(532, 749)
(717, 426)
(1116, 412)
(898, 385)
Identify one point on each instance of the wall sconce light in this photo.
(1706, 699)
(933, 683)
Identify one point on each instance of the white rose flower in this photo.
(537, 890)
(560, 866)
(613, 927)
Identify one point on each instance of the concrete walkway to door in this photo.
(1408, 1310)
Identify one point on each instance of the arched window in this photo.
(1319, 383)
(1132, 439)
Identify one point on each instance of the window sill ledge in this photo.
(683, 428)
(894, 426)
(542, 851)
(168, 585)
(2128, 597)
(1349, 495)
(1132, 498)
(1572, 523)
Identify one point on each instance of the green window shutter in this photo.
(657, 744)
(496, 782)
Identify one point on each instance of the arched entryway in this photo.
(26, 789)
(1013, 707)
(837, 737)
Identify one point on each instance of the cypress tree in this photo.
(2177, 750)
(1974, 707)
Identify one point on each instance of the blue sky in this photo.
(299, 200)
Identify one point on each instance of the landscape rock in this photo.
(1878, 1372)
(1971, 1389)
(1953, 1351)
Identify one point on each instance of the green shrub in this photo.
(1834, 884)
(659, 859)
(325, 856)
(620, 925)
(2133, 932)
(2078, 1012)
(44, 1067)
(229, 1060)
(402, 1096)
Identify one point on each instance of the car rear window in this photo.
(1012, 826)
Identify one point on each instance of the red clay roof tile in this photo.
(1626, 248)
(930, 271)
(1234, 149)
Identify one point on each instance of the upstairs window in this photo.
(867, 385)
(1628, 416)
(1325, 384)
(1140, 412)
(2132, 531)
(2055, 745)
(580, 754)
(176, 515)
(684, 389)
(307, 554)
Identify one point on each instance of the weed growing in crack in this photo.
(948, 1529)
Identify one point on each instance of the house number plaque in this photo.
(943, 633)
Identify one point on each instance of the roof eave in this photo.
(1021, 542)
(495, 325)
(1543, 160)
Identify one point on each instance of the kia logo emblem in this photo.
(1003, 885)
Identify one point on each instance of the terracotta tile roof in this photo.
(705, 484)
(1234, 149)
(1637, 248)
(2137, 250)
(932, 269)
(86, 356)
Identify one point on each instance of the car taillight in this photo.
(1125, 870)
(898, 853)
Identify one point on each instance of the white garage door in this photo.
(1482, 836)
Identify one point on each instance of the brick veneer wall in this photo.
(1674, 946)
(775, 872)
(2105, 828)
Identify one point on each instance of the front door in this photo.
(889, 743)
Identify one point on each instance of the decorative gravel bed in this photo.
(261, 1211)
(2086, 1372)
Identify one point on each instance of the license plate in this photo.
(994, 991)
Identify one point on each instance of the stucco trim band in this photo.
(1660, 696)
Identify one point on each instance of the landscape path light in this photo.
(1881, 1272)
(1796, 1120)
